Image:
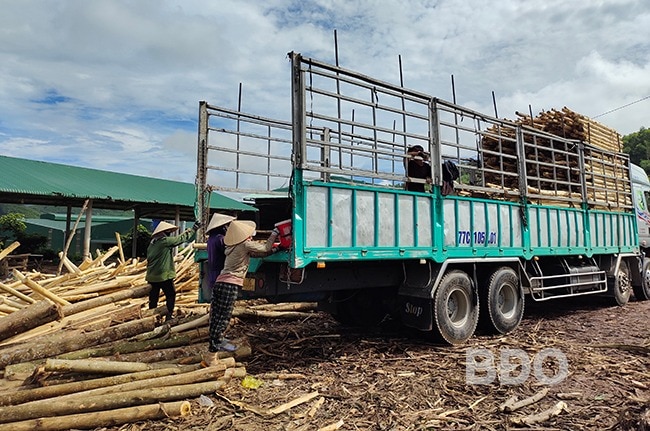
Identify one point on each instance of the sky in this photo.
(116, 84)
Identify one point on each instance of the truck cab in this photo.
(641, 196)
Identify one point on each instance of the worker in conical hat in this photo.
(239, 248)
(216, 248)
(161, 270)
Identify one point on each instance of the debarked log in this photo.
(27, 395)
(194, 376)
(96, 366)
(58, 407)
(127, 347)
(102, 418)
(52, 345)
(36, 314)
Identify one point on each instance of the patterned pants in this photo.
(221, 306)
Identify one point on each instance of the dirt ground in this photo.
(394, 379)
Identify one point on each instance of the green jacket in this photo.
(160, 261)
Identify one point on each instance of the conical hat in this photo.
(163, 226)
(218, 220)
(238, 231)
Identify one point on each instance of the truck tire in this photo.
(455, 307)
(502, 302)
(620, 286)
(642, 292)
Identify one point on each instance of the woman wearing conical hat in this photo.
(216, 231)
(161, 271)
(239, 249)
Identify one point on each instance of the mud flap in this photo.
(416, 312)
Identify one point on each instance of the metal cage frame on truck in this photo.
(338, 171)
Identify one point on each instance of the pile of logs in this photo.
(70, 342)
(572, 125)
(552, 166)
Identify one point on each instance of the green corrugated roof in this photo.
(40, 182)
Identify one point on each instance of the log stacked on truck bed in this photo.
(572, 125)
(552, 166)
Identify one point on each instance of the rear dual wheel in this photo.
(455, 307)
(502, 302)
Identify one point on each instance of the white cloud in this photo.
(115, 84)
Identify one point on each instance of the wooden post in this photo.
(71, 235)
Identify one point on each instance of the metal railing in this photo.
(348, 127)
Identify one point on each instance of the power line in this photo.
(621, 107)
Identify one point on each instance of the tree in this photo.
(11, 226)
(637, 145)
(142, 242)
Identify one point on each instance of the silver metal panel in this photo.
(450, 228)
(424, 226)
(341, 217)
(386, 220)
(600, 231)
(317, 221)
(365, 214)
(406, 225)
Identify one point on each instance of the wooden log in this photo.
(29, 317)
(70, 235)
(7, 251)
(26, 395)
(16, 293)
(176, 355)
(11, 303)
(196, 323)
(39, 289)
(292, 306)
(7, 309)
(52, 345)
(138, 346)
(58, 407)
(135, 292)
(241, 312)
(107, 418)
(118, 238)
(194, 376)
(71, 267)
(99, 366)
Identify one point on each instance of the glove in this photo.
(196, 225)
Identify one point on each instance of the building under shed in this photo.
(26, 181)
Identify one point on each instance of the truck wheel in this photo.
(620, 286)
(455, 307)
(502, 302)
(642, 292)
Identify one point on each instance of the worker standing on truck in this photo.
(216, 231)
(417, 167)
(161, 271)
(239, 249)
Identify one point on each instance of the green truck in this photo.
(509, 213)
